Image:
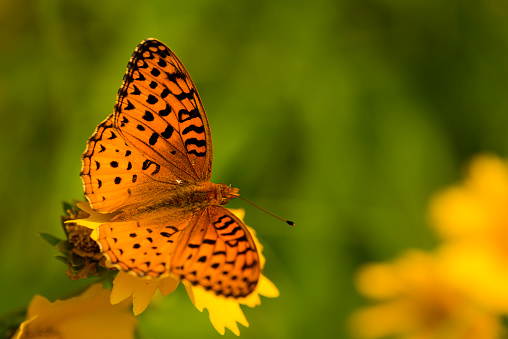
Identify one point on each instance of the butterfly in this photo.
(150, 163)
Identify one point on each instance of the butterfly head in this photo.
(226, 192)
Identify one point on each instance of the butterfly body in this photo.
(150, 163)
(186, 198)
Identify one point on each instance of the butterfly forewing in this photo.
(117, 176)
(157, 138)
(159, 111)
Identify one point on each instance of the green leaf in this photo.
(63, 246)
(67, 206)
(61, 258)
(52, 240)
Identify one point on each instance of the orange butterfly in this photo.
(151, 161)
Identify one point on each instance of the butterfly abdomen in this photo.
(203, 194)
(194, 196)
(190, 197)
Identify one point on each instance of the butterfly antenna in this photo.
(287, 221)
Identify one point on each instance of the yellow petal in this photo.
(37, 305)
(23, 328)
(123, 287)
(458, 212)
(239, 212)
(479, 272)
(387, 283)
(94, 220)
(488, 175)
(223, 312)
(383, 320)
(168, 285)
(142, 295)
(141, 289)
(267, 288)
(89, 315)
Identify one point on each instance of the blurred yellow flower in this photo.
(472, 218)
(416, 301)
(89, 315)
(223, 312)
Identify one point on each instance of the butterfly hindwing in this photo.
(211, 248)
(145, 247)
(218, 253)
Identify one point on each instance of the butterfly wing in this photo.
(159, 111)
(143, 249)
(158, 136)
(218, 253)
(211, 248)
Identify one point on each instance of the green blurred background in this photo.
(344, 116)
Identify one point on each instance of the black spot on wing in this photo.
(167, 132)
(129, 106)
(166, 111)
(153, 139)
(193, 128)
(155, 72)
(148, 116)
(174, 76)
(184, 115)
(165, 93)
(195, 142)
(226, 224)
(184, 95)
(141, 77)
(136, 90)
(233, 232)
(152, 99)
(143, 64)
(162, 63)
(147, 163)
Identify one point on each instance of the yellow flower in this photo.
(472, 218)
(89, 315)
(223, 312)
(416, 300)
